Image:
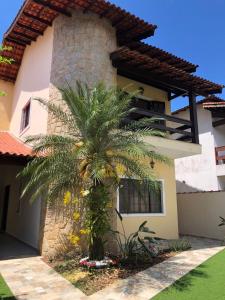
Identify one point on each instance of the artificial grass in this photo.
(206, 282)
(5, 293)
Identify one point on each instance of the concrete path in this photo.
(31, 279)
(147, 284)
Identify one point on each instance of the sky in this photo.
(191, 29)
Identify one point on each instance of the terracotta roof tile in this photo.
(10, 145)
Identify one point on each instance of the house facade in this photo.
(206, 171)
(55, 42)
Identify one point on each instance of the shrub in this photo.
(139, 246)
(179, 245)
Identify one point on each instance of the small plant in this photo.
(222, 223)
(179, 245)
(138, 246)
(222, 220)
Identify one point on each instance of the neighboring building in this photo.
(90, 41)
(206, 171)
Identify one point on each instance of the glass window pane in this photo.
(139, 198)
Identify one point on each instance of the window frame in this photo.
(22, 130)
(162, 214)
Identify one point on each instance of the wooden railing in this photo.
(220, 155)
(178, 130)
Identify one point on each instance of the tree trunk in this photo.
(97, 202)
(96, 249)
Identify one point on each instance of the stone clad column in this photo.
(81, 51)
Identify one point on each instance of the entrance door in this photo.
(5, 208)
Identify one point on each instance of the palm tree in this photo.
(91, 153)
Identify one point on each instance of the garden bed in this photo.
(90, 281)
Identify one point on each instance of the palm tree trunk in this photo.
(96, 245)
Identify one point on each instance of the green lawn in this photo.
(207, 282)
(5, 293)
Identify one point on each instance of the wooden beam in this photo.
(218, 114)
(183, 127)
(148, 113)
(148, 78)
(161, 127)
(177, 95)
(7, 77)
(193, 117)
(23, 35)
(12, 40)
(175, 86)
(218, 123)
(29, 28)
(42, 21)
(53, 8)
(184, 138)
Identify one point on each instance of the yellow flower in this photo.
(84, 231)
(67, 198)
(74, 239)
(76, 216)
(109, 205)
(84, 193)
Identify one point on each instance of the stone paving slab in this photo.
(147, 284)
(32, 279)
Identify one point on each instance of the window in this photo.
(25, 120)
(140, 199)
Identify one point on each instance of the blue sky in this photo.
(192, 29)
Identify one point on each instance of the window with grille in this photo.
(25, 120)
(135, 198)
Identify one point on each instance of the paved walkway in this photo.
(145, 285)
(12, 248)
(31, 279)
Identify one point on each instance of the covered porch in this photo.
(19, 219)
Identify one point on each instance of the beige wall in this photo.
(166, 225)
(24, 222)
(199, 214)
(150, 92)
(33, 81)
(6, 104)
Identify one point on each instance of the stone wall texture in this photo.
(81, 52)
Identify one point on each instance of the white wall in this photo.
(198, 172)
(23, 223)
(198, 214)
(33, 81)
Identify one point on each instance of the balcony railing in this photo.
(179, 129)
(220, 155)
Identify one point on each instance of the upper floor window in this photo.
(25, 120)
(140, 199)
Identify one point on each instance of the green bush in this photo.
(179, 245)
(138, 246)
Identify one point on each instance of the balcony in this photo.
(220, 161)
(175, 128)
(180, 134)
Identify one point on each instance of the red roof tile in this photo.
(10, 145)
